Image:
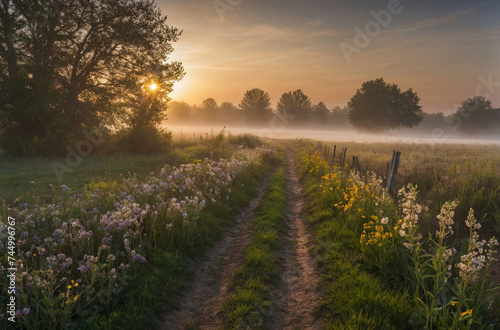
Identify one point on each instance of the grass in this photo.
(34, 176)
(250, 301)
(148, 287)
(469, 173)
(353, 298)
(374, 272)
(157, 288)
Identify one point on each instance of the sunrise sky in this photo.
(438, 48)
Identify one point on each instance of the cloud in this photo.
(437, 21)
(315, 23)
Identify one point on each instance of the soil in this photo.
(199, 305)
(297, 292)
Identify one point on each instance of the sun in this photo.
(153, 86)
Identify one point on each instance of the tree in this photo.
(378, 105)
(69, 65)
(179, 112)
(340, 117)
(478, 116)
(256, 106)
(210, 110)
(321, 114)
(296, 106)
(228, 113)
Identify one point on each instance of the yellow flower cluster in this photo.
(374, 232)
(314, 164)
(329, 181)
(350, 194)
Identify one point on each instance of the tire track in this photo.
(298, 292)
(199, 306)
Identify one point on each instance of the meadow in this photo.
(116, 243)
(108, 247)
(418, 258)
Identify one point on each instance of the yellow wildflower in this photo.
(466, 314)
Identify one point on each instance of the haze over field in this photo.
(190, 132)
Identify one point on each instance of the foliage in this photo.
(210, 109)
(295, 106)
(256, 106)
(476, 116)
(70, 65)
(79, 254)
(353, 297)
(378, 105)
(449, 287)
(143, 140)
(245, 140)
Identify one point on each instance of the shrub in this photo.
(144, 140)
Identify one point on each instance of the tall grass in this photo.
(95, 256)
(447, 284)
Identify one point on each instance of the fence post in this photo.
(343, 158)
(391, 179)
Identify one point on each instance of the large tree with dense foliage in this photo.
(296, 106)
(256, 106)
(378, 105)
(476, 116)
(71, 65)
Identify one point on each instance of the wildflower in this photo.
(410, 209)
(446, 219)
(25, 311)
(465, 314)
(453, 303)
(384, 221)
(408, 246)
(69, 287)
(476, 259)
(75, 298)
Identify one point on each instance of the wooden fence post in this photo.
(343, 158)
(391, 178)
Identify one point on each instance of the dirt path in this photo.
(199, 305)
(298, 292)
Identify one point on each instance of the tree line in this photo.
(376, 106)
(71, 67)
(255, 109)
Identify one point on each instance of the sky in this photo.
(444, 50)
